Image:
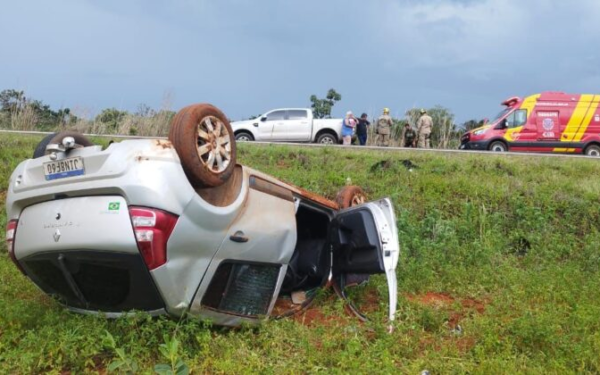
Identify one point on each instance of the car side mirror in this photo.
(263, 119)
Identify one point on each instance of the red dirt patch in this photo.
(368, 301)
(283, 305)
(436, 300)
(443, 301)
(473, 305)
(313, 316)
(462, 344)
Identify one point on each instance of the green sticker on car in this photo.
(114, 206)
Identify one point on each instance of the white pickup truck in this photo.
(289, 125)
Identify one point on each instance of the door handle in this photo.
(239, 237)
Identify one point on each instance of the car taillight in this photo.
(11, 230)
(152, 229)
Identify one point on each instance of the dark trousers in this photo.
(362, 139)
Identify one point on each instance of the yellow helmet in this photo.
(386, 110)
(423, 111)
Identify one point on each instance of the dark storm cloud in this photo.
(248, 56)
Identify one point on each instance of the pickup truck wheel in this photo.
(327, 139)
(592, 150)
(350, 196)
(244, 137)
(204, 141)
(498, 146)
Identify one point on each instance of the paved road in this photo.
(508, 154)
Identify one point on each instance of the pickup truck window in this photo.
(297, 114)
(276, 116)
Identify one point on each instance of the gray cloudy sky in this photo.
(249, 56)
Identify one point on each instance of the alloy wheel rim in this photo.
(214, 145)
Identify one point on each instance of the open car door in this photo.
(364, 241)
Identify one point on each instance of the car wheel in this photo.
(327, 139)
(498, 146)
(204, 141)
(57, 138)
(40, 149)
(593, 150)
(243, 137)
(350, 196)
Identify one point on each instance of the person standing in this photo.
(424, 126)
(384, 128)
(348, 125)
(409, 136)
(362, 129)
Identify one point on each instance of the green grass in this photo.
(517, 236)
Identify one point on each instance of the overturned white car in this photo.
(178, 227)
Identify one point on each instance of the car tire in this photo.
(40, 149)
(243, 137)
(592, 150)
(204, 141)
(327, 139)
(56, 138)
(498, 146)
(350, 196)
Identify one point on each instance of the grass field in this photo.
(507, 248)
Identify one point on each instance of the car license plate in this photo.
(64, 168)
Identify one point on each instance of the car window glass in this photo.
(520, 117)
(499, 116)
(517, 118)
(276, 116)
(297, 114)
(510, 120)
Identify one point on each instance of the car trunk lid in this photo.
(101, 222)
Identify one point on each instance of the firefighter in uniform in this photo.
(408, 136)
(424, 126)
(384, 128)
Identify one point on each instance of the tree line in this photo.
(20, 112)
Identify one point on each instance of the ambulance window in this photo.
(517, 118)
